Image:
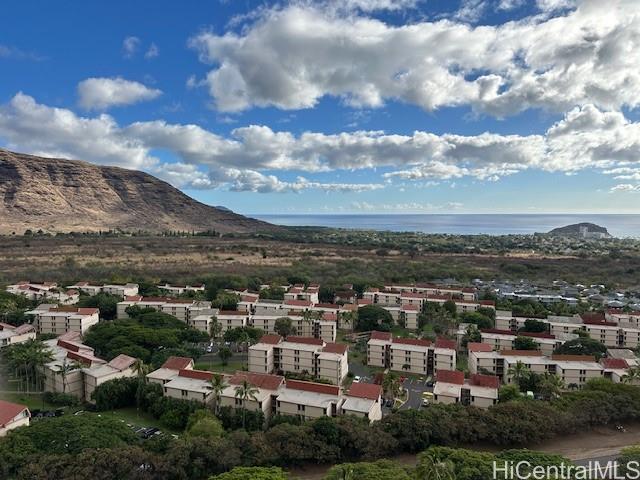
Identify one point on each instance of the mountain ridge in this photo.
(61, 195)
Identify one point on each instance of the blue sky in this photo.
(373, 106)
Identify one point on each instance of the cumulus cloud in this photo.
(130, 46)
(152, 52)
(103, 93)
(626, 187)
(251, 157)
(555, 62)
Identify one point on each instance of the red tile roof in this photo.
(488, 381)
(197, 374)
(270, 339)
(407, 306)
(365, 301)
(413, 295)
(305, 340)
(497, 331)
(313, 387)
(412, 341)
(340, 348)
(9, 411)
(446, 343)
(537, 335)
(365, 390)
(614, 363)
(521, 353)
(375, 335)
(329, 316)
(479, 347)
(68, 345)
(258, 380)
(488, 303)
(450, 376)
(574, 358)
(327, 305)
(177, 363)
(122, 362)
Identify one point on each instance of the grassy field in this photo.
(217, 366)
(31, 400)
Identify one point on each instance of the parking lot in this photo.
(415, 387)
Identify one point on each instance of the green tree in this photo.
(535, 326)
(508, 393)
(284, 327)
(582, 346)
(106, 303)
(253, 473)
(203, 423)
(391, 385)
(373, 317)
(550, 385)
(519, 373)
(525, 343)
(225, 354)
(218, 384)
(632, 376)
(380, 470)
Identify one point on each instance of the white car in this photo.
(356, 379)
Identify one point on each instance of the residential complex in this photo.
(44, 291)
(172, 289)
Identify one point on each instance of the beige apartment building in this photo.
(190, 385)
(308, 400)
(264, 398)
(182, 308)
(410, 355)
(363, 400)
(12, 335)
(120, 367)
(301, 355)
(230, 319)
(120, 290)
(13, 415)
(56, 320)
(573, 370)
(504, 339)
(172, 289)
(478, 391)
(170, 369)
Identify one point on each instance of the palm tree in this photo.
(550, 385)
(218, 384)
(245, 391)
(434, 469)
(519, 372)
(141, 369)
(66, 368)
(632, 376)
(215, 328)
(391, 385)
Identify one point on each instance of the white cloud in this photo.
(292, 57)
(252, 156)
(130, 46)
(152, 52)
(102, 93)
(625, 187)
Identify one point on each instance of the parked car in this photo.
(356, 379)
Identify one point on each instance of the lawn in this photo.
(32, 400)
(216, 366)
(131, 416)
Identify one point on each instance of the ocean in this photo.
(621, 225)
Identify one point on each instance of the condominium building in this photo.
(410, 355)
(190, 385)
(44, 291)
(363, 400)
(504, 339)
(181, 308)
(13, 415)
(51, 319)
(573, 370)
(301, 355)
(308, 400)
(170, 369)
(122, 366)
(266, 389)
(479, 390)
(172, 289)
(12, 335)
(119, 290)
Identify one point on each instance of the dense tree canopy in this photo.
(373, 317)
(582, 346)
(106, 303)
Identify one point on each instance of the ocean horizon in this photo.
(618, 225)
